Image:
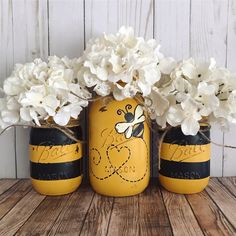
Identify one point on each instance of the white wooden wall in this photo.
(31, 28)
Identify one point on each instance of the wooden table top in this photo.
(153, 212)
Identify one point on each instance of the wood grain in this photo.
(229, 137)
(125, 216)
(45, 215)
(209, 216)
(13, 195)
(5, 184)
(229, 183)
(182, 219)
(171, 27)
(224, 199)
(153, 218)
(72, 217)
(66, 27)
(20, 213)
(97, 218)
(108, 16)
(153, 212)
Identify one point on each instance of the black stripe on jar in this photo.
(56, 171)
(53, 137)
(176, 136)
(185, 170)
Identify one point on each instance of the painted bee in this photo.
(133, 126)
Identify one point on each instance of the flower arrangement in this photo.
(122, 65)
(194, 91)
(38, 90)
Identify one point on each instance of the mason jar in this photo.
(55, 160)
(119, 152)
(185, 161)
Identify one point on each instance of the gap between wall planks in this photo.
(30, 29)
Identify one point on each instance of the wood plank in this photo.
(7, 140)
(209, 216)
(9, 198)
(66, 16)
(224, 199)
(71, 219)
(97, 219)
(20, 213)
(108, 16)
(208, 39)
(229, 183)
(229, 137)
(43, 218)
(181, 217)
(30, 41)
(171, 27)
(153, 218)
(125, 216)
(5, 184)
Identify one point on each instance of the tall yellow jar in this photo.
(185, 161)
(55, 161)
(119, 152)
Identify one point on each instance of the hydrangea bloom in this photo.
(191, 92)
(38, 90)
(122, 64)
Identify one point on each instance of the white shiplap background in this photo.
(38, 28)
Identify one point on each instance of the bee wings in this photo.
(127, 127)
(139, 115)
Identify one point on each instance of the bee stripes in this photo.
(55, 160)
(185, 161)
(56, 171)
(185, 170)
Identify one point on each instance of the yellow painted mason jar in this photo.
(185, 161)
(55, 160)
(119, 152)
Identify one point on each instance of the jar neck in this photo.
(72, 122)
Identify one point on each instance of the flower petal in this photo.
(62, 117)
(190, 126)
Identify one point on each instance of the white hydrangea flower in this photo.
(122, 64)
(122, 92)
(185, 114)
(8, 112)
(38, 90)
(197, 90)
(156, 104)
